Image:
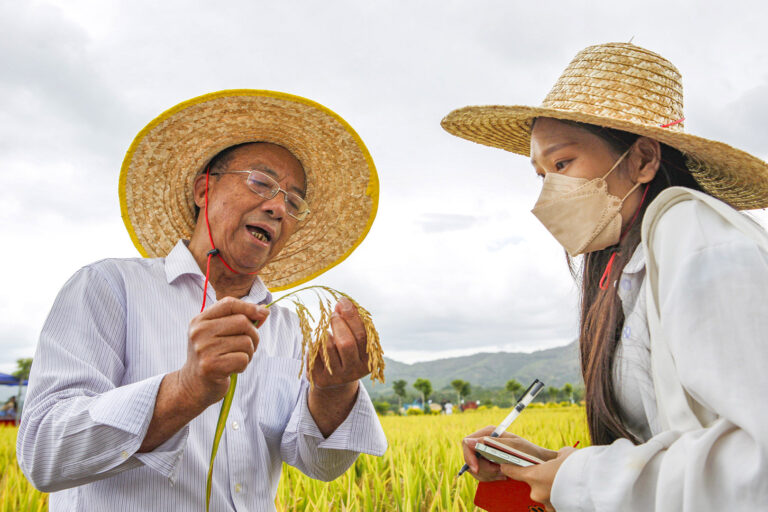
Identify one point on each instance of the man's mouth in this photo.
(259, 233)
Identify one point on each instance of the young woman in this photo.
(674, 290)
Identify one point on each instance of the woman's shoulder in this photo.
(694, 221)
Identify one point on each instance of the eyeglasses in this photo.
(266, 186)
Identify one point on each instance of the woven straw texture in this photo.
(342, 185)
(622, 86)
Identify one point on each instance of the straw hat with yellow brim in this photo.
(157, 175)
(623, 86)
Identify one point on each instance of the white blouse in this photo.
(713, 295)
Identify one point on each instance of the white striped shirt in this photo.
(116, 328)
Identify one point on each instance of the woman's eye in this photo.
(561, 165)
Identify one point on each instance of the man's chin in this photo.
(250, 268)
(250, 262)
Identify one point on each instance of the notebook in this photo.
(506, 496)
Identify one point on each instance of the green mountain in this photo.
(554, 366)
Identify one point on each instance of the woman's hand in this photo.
(540, 476)
(485, 470)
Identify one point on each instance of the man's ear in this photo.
(647, 154)
(199, 190)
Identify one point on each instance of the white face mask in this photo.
(579, 212)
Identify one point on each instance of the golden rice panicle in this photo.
(306, 329)
(376, 362)
(318, 341)
(314, 340)
(324, 331)
(333, 293)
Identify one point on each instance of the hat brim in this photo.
(725, 172)
(157, 175)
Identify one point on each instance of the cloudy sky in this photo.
(455, 263)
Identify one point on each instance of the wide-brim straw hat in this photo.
(156, 180)
(626, 87)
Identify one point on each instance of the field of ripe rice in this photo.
(416, 474)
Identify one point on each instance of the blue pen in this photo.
(526, 399)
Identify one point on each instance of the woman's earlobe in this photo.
(649, 151)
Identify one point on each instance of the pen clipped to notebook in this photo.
(526, 399)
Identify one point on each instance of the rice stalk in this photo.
(312, 343)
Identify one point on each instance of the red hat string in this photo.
(214, 251)
(609, 266)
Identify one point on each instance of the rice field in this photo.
(417, 474)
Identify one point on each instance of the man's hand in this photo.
(335, 391)
(222, 341)
(485, 470)
(346, 346)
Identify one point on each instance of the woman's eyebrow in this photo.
(552, 149)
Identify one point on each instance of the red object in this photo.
(214, 251)
(672, 123)
(609, 267)
(607, 273)
(506, 496)
(208, 226)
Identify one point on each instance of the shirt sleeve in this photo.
(79, 425)
(304, 447)
(713, 283)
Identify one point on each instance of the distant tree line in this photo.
(461, 391)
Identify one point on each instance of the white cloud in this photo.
(454, 262)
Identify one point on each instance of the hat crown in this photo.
(621, 81)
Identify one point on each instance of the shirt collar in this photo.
(180, 262)
(637, 262)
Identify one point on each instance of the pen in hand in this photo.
(526, 399)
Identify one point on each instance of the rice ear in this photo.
(314, 339)
(376, 362)
(306, 329)
(312, 342)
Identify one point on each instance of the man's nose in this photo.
(276, 205)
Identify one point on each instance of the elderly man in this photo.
(238, 190)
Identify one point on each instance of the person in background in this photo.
(674, 290)
(9, 407)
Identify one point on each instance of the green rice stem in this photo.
(223, 414)
(227, 402)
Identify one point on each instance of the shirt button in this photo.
(235, 425)
(124, 454)
(238, 487)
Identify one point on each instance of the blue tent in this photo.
(10, 380)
